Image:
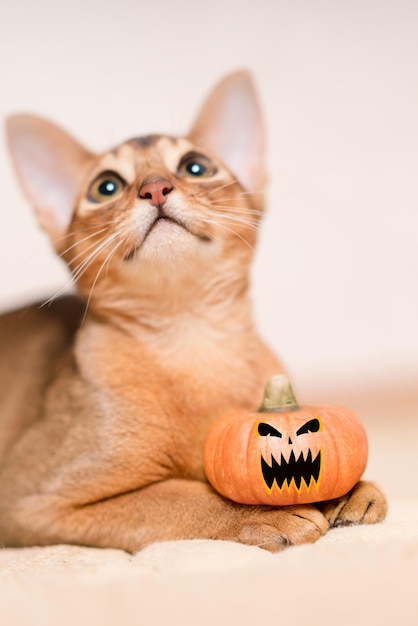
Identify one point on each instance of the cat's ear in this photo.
(230, 125)
(49, 166)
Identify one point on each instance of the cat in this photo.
(106, 396)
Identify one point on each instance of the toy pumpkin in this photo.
(285, 453)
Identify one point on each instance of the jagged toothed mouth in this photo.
(294, 470)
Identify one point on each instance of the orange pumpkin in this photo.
(285, 453)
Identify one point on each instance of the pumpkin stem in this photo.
(278, 396)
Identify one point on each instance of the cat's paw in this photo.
(275, 529)
(364, 504)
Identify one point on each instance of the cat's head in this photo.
(154, 204)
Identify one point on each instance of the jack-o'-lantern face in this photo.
(291, 456)
(284, 453)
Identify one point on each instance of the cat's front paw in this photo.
(364, 504)
(276, 528)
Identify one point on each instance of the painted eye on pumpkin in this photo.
(106, 186)
(194, 165)
(265, 430)
(313, 426)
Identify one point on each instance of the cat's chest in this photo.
(178, 381)
(185, 351)
(154, 406)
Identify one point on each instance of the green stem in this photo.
(278, 396)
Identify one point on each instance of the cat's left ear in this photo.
(49, 165)
(230, 125)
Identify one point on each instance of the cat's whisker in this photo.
(223, 227)
(77, 243)
(70, 233)
(234, 218)
(106, 261)
(223, 210)
(228, 184)
(81, 268)
(67, 286)
(234, 209)
(237, 223)
(85, 251)
(95, 248)
(255, 192)
(58, 293)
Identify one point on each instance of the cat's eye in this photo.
(196, 166)
(106, 187)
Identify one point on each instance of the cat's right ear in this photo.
(49, 165)
(230, 125)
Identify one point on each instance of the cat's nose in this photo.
(155, 191)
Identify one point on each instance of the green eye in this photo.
(196, 166)
(106, 187)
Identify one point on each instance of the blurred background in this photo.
(335, 282)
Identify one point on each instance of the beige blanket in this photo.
(353, 576)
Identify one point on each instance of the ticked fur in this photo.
(106, 398)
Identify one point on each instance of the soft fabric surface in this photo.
(357, 575)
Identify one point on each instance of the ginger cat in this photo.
(105, 398)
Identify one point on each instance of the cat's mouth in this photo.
(165, 218)
(162, 221)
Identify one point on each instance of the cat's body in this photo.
(103, 415)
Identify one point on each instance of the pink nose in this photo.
(156, 191)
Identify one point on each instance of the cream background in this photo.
(335, 280)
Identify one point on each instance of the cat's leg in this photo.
(364, 504)
(168, 510)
